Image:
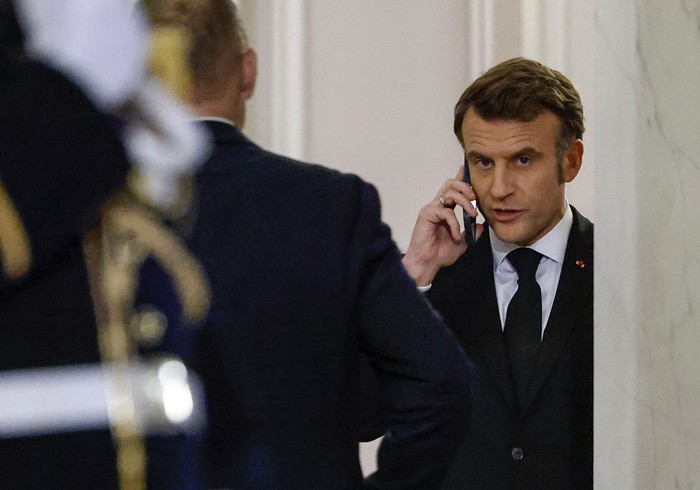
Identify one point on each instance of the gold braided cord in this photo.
(113, 269)
(130, 232)
(15, 249)
(168, 63)
(189, 279)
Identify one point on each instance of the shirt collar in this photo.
(552, 245)
(214, 118)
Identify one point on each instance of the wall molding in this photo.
(545, 32)
(482, 38)
(289, 87)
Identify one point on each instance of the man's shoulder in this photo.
(580, 220)
(234, 146)
(296, 176)
(269, 178)
(581, 234)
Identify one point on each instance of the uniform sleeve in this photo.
(60, 157)
(422, 371)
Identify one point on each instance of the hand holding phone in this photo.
(469, 221)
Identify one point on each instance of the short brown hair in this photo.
(215, 33)
(521, 89)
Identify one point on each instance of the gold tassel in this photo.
(115, 251)
(130, 231)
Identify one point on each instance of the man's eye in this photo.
(523, 160)
(481, 163)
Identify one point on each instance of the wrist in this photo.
(421, 271)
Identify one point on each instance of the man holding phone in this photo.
(521, 299)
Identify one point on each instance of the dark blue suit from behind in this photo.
(305, 278)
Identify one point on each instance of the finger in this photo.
(449, 198)
(445, 202)
(456, 185)
(470, 207)
(462, 197)
(450, 184)
(447, 217)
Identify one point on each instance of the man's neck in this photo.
(214, 108)
(215, 118)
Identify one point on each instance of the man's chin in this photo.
(510, 234)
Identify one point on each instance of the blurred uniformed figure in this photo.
(92, 284)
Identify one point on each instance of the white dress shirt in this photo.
(552, 246)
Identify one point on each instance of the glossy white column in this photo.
(647, 323)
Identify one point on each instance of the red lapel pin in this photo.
(580, 263)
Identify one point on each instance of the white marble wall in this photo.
(647, 364)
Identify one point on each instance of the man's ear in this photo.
(249, 73)
(573, 158)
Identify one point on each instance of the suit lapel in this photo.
(573, 295)
(481, 328)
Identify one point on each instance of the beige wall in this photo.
(369, 87)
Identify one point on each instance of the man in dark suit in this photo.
(520, 125)
(305, 279)
(60, 158)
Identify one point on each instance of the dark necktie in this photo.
(523, 327)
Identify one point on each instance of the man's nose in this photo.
(502, 184)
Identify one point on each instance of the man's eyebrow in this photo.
(526, 151)
(471, 155)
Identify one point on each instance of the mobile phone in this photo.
(469, 222)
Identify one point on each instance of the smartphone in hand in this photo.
(469, 222)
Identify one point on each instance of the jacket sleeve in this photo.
(421, 370)
(60, 157)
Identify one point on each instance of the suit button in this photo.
(517, 454)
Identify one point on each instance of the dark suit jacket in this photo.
(305, 277)
(59, 159)
(550, 444)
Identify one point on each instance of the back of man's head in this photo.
(216, 39)
(521, 89)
